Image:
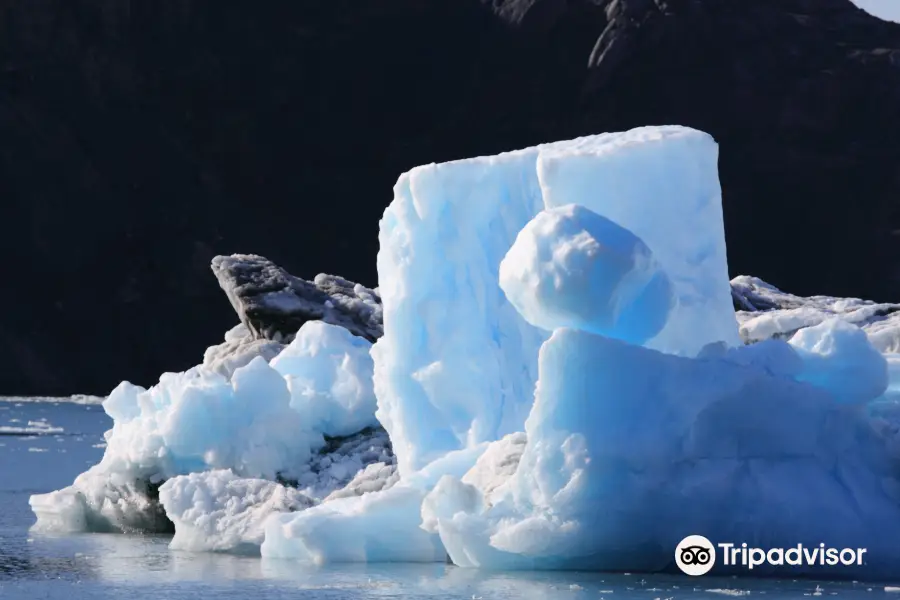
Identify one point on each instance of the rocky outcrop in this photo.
(273, 304)
(145, 137)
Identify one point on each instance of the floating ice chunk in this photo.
(378, 527)
(329, 373)
(31, 430)
(198, 421)
(81, 399)
(570, 267)
(218, 511)
(622, 462)
(839, 357)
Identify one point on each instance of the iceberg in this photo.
(562, 377)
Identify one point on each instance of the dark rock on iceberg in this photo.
(273, 304)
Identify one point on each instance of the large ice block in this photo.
(455, 353)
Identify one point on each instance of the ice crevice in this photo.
(566, 380)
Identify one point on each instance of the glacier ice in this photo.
(839, 357)
(617, 468)
(219, 511)
(570, 267)
(382, 526)
(198, 421)
(329, 374)
(377, 527)
(189, 422)
(455, 354)
(662, 184)
(267, 421)
(562, 377)
(450, 225)
(629, 449)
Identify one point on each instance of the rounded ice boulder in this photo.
(570, 267)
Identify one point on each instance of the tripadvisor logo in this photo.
(696, 555)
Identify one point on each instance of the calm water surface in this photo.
(87, 567)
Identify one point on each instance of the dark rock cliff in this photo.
(142, 137)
